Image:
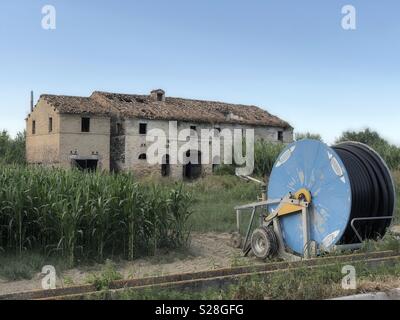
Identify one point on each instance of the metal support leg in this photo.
(282, 253)
(306, 233)
(249, 229)
(238, 221)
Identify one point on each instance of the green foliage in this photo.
(103, 280)
(79, 215)
(224, 170)
(388, 242)
(367, 136)
(26, 266)
(293, 284)
(265, 155)
(214, 199)
(157, 294)
(390, 153)
(307, 135)
(12, 151)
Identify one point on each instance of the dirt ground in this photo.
(206, 252)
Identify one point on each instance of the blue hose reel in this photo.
(333, 175)
(320, 199)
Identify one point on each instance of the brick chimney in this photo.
(158, 95)
(31, 101)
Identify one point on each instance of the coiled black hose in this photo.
(372, 187)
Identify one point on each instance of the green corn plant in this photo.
(80, 215)
(179, 207)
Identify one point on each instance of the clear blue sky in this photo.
(291, 57)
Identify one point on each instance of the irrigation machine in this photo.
(319, 199)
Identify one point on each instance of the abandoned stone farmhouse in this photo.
(107, 131)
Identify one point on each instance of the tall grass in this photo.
(214, 200)
(265, 155)
(89, 215)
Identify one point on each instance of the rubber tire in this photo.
(263, 243)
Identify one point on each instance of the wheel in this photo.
(236, 240)
(264, 243)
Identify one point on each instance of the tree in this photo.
(12, 151)
(389, 152)
(367, 136)
(307, 135)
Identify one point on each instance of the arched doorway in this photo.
(165, 166)
(192, 170)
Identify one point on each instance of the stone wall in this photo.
(117, 143)
(136, 144)
(56, 148)
(43, 147)
(93, 144)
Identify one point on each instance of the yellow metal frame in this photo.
(289, 208)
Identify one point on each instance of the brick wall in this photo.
(136, 144)
(43, 147)
(54, 148)
(87, 144)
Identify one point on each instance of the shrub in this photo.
(313, 136)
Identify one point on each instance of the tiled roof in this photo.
(76, 105)
(146, 107)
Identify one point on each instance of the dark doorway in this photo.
(192, 171)
(86, 165)
(165, 166)
(280, 136)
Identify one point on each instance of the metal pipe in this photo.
(249, 229)
(366, 219)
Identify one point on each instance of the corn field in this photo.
(89, 215)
